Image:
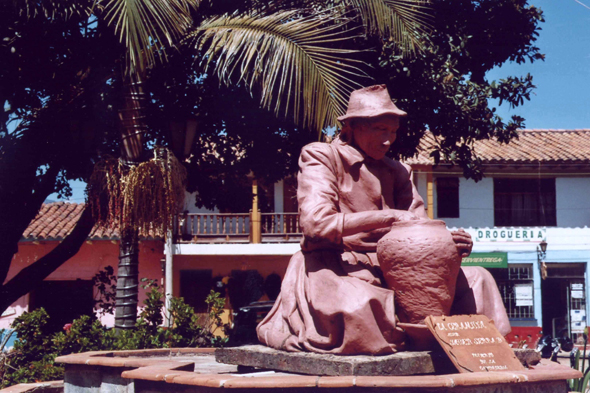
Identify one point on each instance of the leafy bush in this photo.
(189, 329)
(35, 350)
(30, 361)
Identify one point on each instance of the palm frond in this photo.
(296, 64)
(402, 21)
(148, 27)
(54, 9)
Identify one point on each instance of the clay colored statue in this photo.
(369, 251)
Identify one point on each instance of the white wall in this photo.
(476, 204)
(573, 209)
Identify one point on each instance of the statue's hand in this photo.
(463, 241)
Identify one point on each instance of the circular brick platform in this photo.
(195, 370)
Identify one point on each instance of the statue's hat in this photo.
(370, 102)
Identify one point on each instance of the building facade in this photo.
(534, 193)
(69, 291)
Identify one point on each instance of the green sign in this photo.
(486, 259)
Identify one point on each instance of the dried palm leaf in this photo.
(153, 193)
(145, 197)
(104, 192)
(294, 62)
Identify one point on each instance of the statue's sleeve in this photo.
(406, 195)
(317, 194)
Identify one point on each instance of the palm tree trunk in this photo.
(132, 121)
(127, 281)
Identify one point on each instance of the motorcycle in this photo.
(549, 346)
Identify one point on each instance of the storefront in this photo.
(540, 289)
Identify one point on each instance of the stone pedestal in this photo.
(192, 370)
(402, 363)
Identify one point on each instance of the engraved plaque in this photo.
(473, 343)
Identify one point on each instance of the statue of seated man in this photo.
(334, 298)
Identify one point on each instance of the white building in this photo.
(535, 189)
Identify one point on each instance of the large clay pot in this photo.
(420, 262)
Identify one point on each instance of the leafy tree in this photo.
(64, 78)
(444, 88)
(62, 63)
(57, 115)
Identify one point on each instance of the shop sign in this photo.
(577, 294)
(523, 294)
(486, 259)
(578, 320)
(510, 234)
(578, 327)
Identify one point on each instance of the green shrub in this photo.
(32, 358)
(190, 330)
(82, 335)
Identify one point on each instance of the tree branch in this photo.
(20, 206)
(31, 276)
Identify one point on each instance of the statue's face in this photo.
(376, 136)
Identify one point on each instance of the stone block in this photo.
(402, 363)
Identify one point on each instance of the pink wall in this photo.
(94, 256)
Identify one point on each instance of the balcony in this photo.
(237, 228)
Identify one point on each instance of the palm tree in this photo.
(298, 62)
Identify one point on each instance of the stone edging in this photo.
(49, 386)
(150, 366)
(543, 372)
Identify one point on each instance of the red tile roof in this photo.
(55, 220)
(532, 146)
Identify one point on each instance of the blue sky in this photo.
(562, 97)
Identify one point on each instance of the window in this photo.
(524, 202)
(447, 197)
(516, 288)
(64, 301)
(194, 288)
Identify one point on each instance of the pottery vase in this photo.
(420, 262)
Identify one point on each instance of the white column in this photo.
(169, 278)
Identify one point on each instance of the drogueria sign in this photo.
(510, 234)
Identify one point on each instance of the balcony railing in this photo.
(236, 228)
(280, 227)
(212, 228)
